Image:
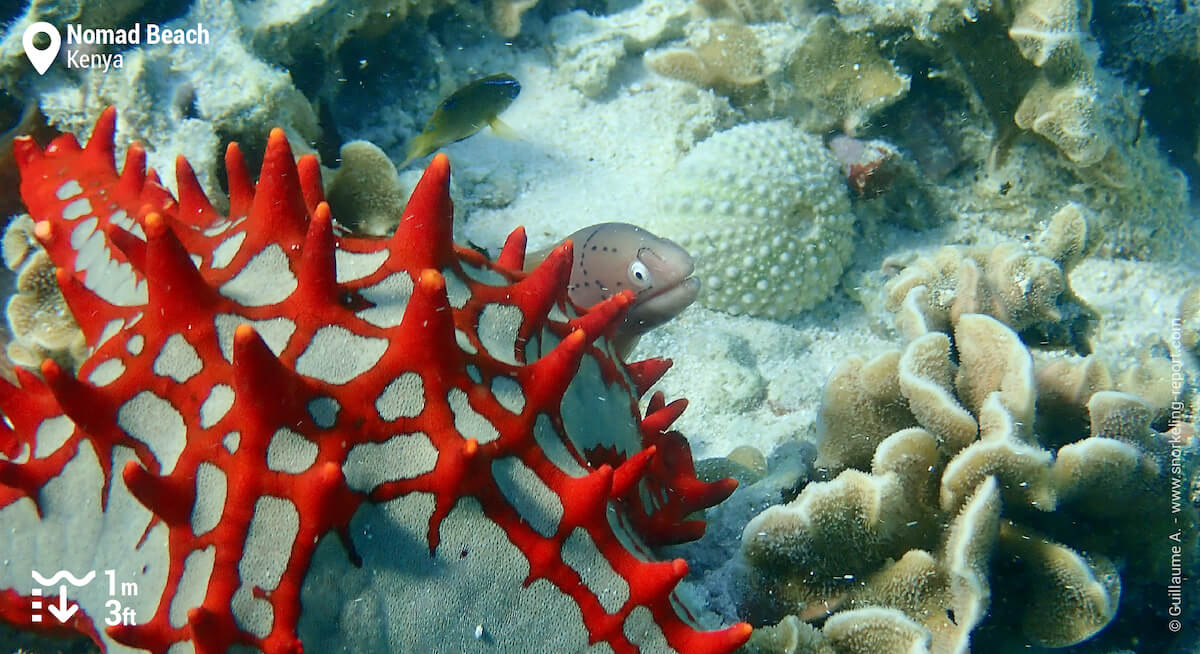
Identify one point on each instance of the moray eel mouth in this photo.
(674, 290)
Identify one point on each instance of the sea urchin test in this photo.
(764, 210)
(290, 439)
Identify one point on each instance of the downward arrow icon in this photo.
(62, 611)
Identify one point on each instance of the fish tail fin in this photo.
(418, 147)
(499, 128)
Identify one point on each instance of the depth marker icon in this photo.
(63, 611)
(37, 605)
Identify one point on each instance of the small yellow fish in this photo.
(465, 112)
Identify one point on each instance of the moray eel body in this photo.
(613, 257)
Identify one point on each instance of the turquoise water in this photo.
(939, 321)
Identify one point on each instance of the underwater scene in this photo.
(600, 326)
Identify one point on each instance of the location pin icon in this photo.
(41, 59)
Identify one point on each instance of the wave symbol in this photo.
(63, 574)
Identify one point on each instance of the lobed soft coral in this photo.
(1025, 288)
(505, 15)
(841, 77)
(823, 76)
(41, 324)
(1045, 123)
(973, 490)
(1049, 31)
(1066, 114)
(727, 59)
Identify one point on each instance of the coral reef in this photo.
(1033, 181)
(820, 77)
(927, 19)
(749, 11)
(368, 194)
(977, 491)
(726, 59)
(1066, 115)
(1021, 70)
(228, 93)
(1189, 319)
(13, 64)
(840, 78)
(1051, 32)
(1027, 289)
(763, 209)
(286, 436)
(505, 15)
(970, 482)
(1084, 110)
(365, 192)
(41, 324)
(1045, 123)
(762, 483)
(1146, 32)
(587, 49)
(1066, 103)
(308, 34)
(283, 31)
(790, 636)
(858, 631)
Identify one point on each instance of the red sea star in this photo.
(305, 425)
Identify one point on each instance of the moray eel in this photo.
(464, 112)
(613, 257)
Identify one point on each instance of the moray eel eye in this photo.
(639, 274)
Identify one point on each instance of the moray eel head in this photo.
(613, 257)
